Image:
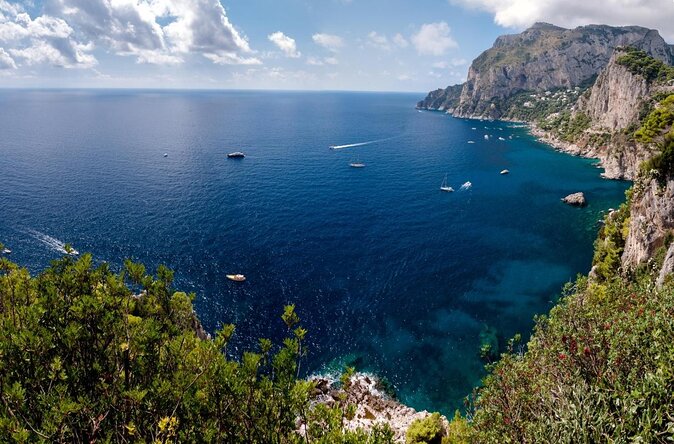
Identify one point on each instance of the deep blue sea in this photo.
(388, 273)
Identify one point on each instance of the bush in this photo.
(657, 121)
(639, 62)
(82, 359)
(425, 431)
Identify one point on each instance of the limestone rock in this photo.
(575, 199)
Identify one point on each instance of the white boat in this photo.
(356, 163)
(165, 154)
(471, 141)
(504, 172)
(6, 251)
(444, 187)
(486, 137)
(236, 277)
(466, 186)
(473, 128)
(236, 155)
(501, 138)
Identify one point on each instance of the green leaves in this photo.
(82, 360)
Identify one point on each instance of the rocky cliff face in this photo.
(651, 221)
(614, 101)
(546, 57)
(442, 99)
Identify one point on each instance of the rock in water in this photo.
(575, 199)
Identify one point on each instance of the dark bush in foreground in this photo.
(83, 360)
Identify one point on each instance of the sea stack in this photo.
(575, 200)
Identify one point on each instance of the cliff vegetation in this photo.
(83, 359)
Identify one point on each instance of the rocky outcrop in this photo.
(442, 99)
(651, 221)
(575, 200)
(547, 57)
(614, 101)
(667, 267)
(373, 405)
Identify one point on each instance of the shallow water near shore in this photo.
(388, 273)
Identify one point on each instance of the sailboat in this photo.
(445, 187)
(356, 163)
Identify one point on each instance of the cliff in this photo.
(542, 58)
(547, 57)
(442, 99)
(601, 123)
(651, 222)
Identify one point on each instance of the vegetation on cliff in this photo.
(641, 63)
(82, 360)
(600, 366)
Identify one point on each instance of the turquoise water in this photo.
(387, 272)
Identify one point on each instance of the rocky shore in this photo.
(373, 405)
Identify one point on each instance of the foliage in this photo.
(428, 430)
(609, 246)
(459, 431)
(640, 63)
(657, 121)
(567, 126)
(82, 359)
(599, 368)
(532, 106)
(663, 163)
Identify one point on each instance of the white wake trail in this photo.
(353, 145)
(52, 242)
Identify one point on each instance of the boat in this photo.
(466, 186)
(486, 137)
(356, 163)
(236, 155)
(504, 172)
(471, 141)
(236, 277)
(165, 154)
(6, 251)
(501, 138)
(444, 187)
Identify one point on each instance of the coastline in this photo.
(373, 405)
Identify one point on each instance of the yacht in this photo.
(236, 277)
(236, 155)
(444, 187)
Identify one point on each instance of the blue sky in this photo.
(375, 45)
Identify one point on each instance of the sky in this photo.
(363, 45)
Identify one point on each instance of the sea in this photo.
(388, 273)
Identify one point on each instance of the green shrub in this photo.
(660, 118)
(425, 431)
(639, 62)
(83, 360)
(459, 431)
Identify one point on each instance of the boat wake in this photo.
(52, 243)
(354, 145)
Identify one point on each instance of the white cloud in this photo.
(6, 61)
(157, 31)
(378, 41)
(231, 58)
(313, 61)
(46, 39)
(658, 14)
(328, 41)
(440, 65)
(285, 44)
(400, 41)
(434, 39)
